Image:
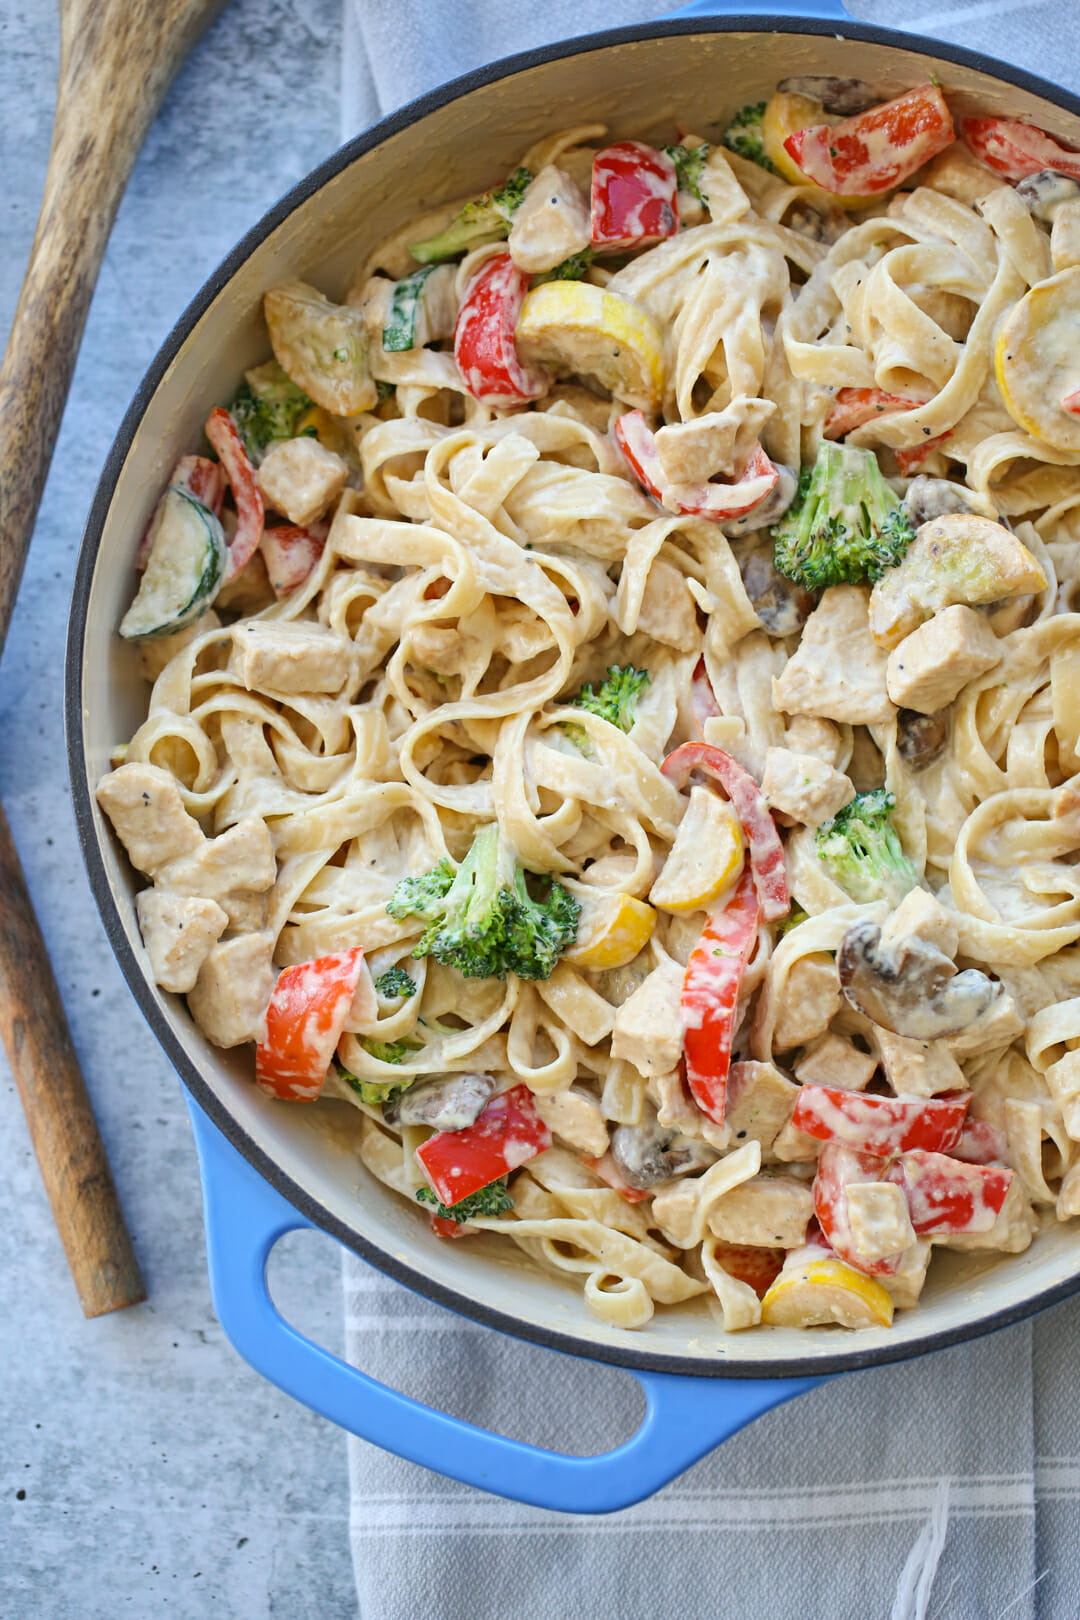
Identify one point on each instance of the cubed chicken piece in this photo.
(759, 1102)
(998, 1026)
(178, 932)
(960, 557)
(576, 1119)
(233, 989)
(921, 915)
(932, 665)
(905, 1285)
(769, 1212)
(1011, 1232)
(880, 1223)
(918, 1068)
(144, 805)
(577, 1004)
(676, 1110)
(551, 222)
(806, 734)
(810, 999)
(836, 1061)
(300, 478)
(245, 910)
(285, 656)
(648, 1029)
(1065, 236)
(792, 1146)
(804, 787)
(240, 859)
(719, 442)
(668, 613)
(838, 671)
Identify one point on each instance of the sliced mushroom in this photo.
(911, 987)
(921, 738)
(1043, 193)
(929, 498)
(817, 222)
(769, 510)
(647, 1154)
(449, 1102)
(782, 606)
(841, 96)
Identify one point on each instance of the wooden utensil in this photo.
(117, 59)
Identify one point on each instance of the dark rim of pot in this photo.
(846, 1360)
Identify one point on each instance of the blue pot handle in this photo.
(685, 1417)
(826, 10)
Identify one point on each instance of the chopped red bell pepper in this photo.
(250, 511)
(766, 850)
(881, 1125)
(717, 502)
(908, 460)
(290, 553)
(710, 995)
(608, 1171)
(702, 697)
(758, 1267)
(634, 188)
(507, 1135)
(980, 1143)
(1015, 150)
(838, 1169)
(875, 150)
(449, 1229)
(304, 1021)
(853, 407)
(484, 337)
(945, 1196)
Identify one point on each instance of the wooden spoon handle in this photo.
(117, 58)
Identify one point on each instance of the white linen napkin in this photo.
(943, 1489)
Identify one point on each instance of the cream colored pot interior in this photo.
(639, 88)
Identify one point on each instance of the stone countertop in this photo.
(143, 1465)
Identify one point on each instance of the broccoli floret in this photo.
(617, 696)
(794, 917)
(689, 164)
(375, 1092)
(845, 523)
(391, 1051)
(485, 922)
(572, 269)
(861, 849)
(490, 1200)
(744, 135)
(267, 407)
(485, 219)
(395, 982)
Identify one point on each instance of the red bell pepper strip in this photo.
(484, 337)
(875, 150)
(758, 1267)
(766, 850)
(304, 1021)
(838, 1169)
(1015, 150)
(710, 995)
(608, 1171)
(290, 553)
(1071, 402)
(221, 431)
(507, 1135)
(717, 502)
(908, 460)
(449, 1229)
(980, 1143)
(881, 1125)
(634, 188)
(702, 697)
(853, 407)
(946, 1196)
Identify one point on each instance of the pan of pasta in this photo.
(574, 700)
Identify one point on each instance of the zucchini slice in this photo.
(422, 309)
(184, 571)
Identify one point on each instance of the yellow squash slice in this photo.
(706, 857)
(612, 930)
(815, 1292)
(577, 327)
(1037, 360)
